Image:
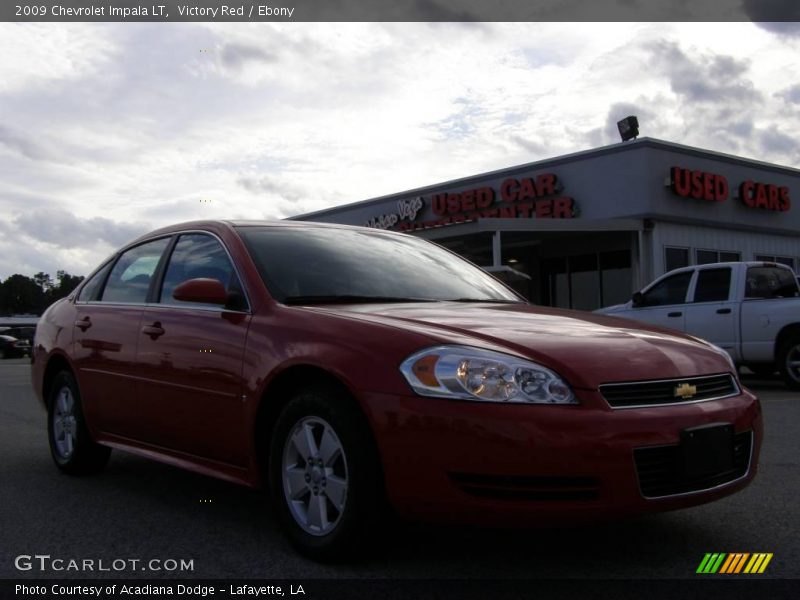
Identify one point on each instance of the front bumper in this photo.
(462, 461)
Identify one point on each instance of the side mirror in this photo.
(637, 299)
(207, 291)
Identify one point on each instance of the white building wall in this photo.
(706, 238)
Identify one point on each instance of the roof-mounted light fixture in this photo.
(628, 128)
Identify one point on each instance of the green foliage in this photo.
(31, 295)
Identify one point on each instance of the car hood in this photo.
(609, 310)
(587, 349)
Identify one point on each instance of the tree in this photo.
(20, 294)
(66, 283)
(44, 281)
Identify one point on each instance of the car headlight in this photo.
(482, 375)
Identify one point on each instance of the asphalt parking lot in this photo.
(138, 509)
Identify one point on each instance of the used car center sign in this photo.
(701, 185)
(523, 198)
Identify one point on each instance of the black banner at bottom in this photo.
(407, 589)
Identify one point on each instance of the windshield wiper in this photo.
(350, 299)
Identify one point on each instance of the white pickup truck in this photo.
(751, 309)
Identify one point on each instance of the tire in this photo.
(789, 360)
(71, 445)
(325, 477)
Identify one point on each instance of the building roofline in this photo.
(645, 142)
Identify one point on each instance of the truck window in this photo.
(770, 282)
(671, 290)
(713, 285)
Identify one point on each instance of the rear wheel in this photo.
(71, 445)
(790, 362)
(325, 476)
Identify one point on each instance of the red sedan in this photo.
(352, 371)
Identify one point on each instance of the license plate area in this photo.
(707, 450)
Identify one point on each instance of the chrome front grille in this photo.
(669, 391)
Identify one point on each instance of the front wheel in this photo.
(71, 445)
(789, 360)
(325, 476)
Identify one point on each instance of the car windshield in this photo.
(319, 265)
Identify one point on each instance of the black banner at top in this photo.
(785, 13)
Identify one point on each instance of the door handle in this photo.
(675, 314)
(723, 311)
(153, 330)
(84, 323)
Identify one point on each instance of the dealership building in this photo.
(586, 230)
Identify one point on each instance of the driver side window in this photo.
(671, 290)
(198, 256)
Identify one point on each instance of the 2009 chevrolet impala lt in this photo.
(352, 371)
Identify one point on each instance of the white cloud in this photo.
(41, 55)
(141, 125)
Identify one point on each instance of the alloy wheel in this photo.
(315, 477)
(65, 425)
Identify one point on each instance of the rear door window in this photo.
(91, 290)
(713, 285)
(129, 280)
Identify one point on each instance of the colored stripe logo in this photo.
(734, 563)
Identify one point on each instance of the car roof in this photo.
(749, 263)
(216, 225)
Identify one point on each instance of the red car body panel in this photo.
(555, 442)
(191, 396)
(193, 371)
(104, 358)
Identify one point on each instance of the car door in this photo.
(712, 315)
(106, 331)
(766, 289)
(664, 302)
(189, 359)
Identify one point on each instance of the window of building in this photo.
(589, 281)
(675, 258)
(616, 277)
(556, 292)
(706, 257)
(713, 285)
(781, 260)
(671, 290)
(584, 281)
(730, 256)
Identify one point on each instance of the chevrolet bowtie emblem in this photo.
(685, 390)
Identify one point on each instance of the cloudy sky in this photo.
(109, 130)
